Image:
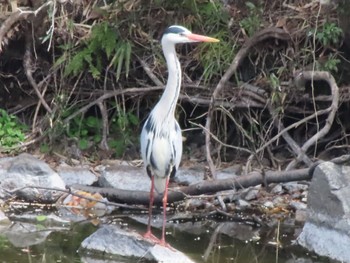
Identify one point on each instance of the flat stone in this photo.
(128, 177)
(112, 241)
(187, 176)
(327, 230)
(125, 177)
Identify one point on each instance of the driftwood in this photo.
(205, 187)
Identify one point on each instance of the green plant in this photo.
(124, 129)
(252, 22)
(331, 63)
(104, 42)
(329, 34)
(11, 130)
(85, 130)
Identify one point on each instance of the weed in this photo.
(330, 34)
(123, 127)
(11, 130)
(104, 42)
(85, 130)
(331, 64)
(253, 21)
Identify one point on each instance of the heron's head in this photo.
(179, 34)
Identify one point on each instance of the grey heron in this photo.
(161, 139)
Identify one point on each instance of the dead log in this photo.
(205, 187)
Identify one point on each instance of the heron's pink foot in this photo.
(165, 244)
(148, 235)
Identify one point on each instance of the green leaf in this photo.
(41, 218)
(83, 144)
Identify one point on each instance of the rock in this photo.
(125, 177)
(327, 230)
(278, 201)
(277, 189)
(133, 178)
(243, 204)
(229, 172)
(298, 205)
(250, 194)
(300, 216)
(189, 176)
(76, 175)
(293, 187)
(112, 241)
(25, 171)
(268, 204)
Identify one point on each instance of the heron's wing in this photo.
(177, 145)
(161, 151)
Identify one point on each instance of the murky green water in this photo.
(212, 241)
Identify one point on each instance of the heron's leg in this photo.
(165, 201)
(149, 234)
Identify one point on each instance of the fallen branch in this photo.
(181, 193)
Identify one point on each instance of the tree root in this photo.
(272, 32)
(326, 76)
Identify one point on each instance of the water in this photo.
(214, 241)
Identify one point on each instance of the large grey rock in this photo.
(23, 173)
(76, 175)
(128, 177)
(112, 241)
(327, 230)
(125, 177)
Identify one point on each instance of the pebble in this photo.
(277, 189)
(252, 194)
(298, 205)
(293, 187)
(243, 204)
(268, 204)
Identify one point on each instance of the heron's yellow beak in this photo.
(201, 38)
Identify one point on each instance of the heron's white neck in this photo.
(167, 103)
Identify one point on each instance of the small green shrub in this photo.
(85, 130)
(11, 130)
(123, 131)
(329, 34)
(104, 43)
(331, 64)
